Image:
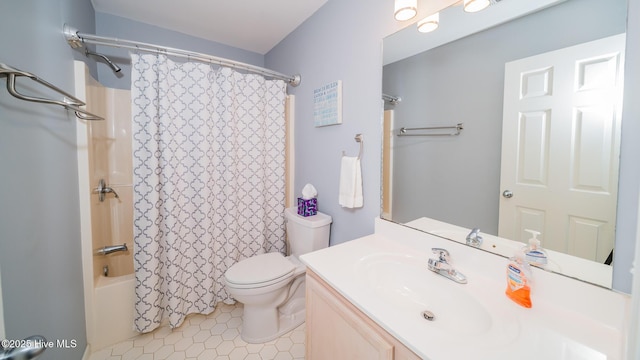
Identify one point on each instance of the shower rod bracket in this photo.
(296, 80)
(71, 35)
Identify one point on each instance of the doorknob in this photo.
(507, 193)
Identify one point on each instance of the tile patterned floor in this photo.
(212, 337)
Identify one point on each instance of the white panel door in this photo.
(560, 147)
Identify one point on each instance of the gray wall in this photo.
(119, 27)
(337, 43)
(332, 46)
(463, 82)
(629, 186)
(39, 221)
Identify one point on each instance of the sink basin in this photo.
(404, 283)
(385, 276)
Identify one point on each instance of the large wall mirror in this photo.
(483, 177)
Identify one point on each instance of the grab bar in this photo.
(69, 101)
(458, 128)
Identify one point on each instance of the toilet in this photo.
(271, 286)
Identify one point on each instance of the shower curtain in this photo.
(208, 160)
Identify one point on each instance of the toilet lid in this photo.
(260, 269)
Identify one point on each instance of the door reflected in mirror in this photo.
(545, 126)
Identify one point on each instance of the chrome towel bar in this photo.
(359, 139)
(457, 128)
(69, 101)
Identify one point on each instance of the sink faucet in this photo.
(474, 238)
(442, 266)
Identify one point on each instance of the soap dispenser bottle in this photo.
(534, 253)
(519, 280)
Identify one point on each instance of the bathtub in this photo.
(114, 299)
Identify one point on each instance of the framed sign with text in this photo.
(327, 104)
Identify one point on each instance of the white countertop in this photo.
(569, 319)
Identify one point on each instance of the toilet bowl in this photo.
(271, 286)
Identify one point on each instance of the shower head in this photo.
(113, 66)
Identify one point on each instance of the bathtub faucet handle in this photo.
(103, 189)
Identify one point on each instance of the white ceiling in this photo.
(254, 25)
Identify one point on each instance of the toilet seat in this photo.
(260, 271)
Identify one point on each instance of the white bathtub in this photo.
(113, 310)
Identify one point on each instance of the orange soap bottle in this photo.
(518, 281)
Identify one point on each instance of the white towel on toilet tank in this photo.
(350, 183)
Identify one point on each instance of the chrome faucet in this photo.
(474, 238)
(443, 267)
(103, 189)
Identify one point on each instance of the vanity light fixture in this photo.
(429, 24)
(405, 9)
(475, 5)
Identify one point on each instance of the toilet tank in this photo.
(306, 234)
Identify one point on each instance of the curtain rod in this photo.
(76, 39)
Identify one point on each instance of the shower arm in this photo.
(113, 66)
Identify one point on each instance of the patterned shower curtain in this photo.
(208, 187)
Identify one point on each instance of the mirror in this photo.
(433, 181)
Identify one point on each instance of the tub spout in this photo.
(111, 249)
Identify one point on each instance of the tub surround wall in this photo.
(111, 160)
(105, 153)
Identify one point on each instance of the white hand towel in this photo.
(350, 183)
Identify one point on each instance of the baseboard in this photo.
(87, 352)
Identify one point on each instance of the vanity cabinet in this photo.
(337, 330)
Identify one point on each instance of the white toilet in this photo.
(271, 286)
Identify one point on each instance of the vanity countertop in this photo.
(382, 275)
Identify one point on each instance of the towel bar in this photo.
(359, 139)
(458, 128)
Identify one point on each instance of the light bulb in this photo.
(475, 5)
(405, 9)
(429, 23)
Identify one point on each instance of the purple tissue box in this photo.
(307, 207)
